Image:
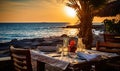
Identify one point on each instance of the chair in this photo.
(21, 59)
(112, 37)
(108, 47)
(113, 64)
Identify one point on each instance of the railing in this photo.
(112, 37)
(6, 64)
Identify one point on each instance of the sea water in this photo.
(9, 31)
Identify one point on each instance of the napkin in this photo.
(47, 48)
(88, 57)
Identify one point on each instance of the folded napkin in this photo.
(88, 57)
(47, 48)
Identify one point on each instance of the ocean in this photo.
(9, 31)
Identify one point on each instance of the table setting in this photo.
(67, 54)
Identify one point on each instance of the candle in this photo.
(72, 47)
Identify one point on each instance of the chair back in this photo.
(108, 47)
(112, 38)
(21, 59)
(113, 63)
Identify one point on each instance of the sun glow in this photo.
(73, 32)
(70, 12)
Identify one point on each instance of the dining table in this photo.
(71, 61)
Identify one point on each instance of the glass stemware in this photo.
(59, 48)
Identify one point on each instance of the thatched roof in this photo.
(111, 9)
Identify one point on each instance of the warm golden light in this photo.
(73, 32)
(38, 11)
(70, 12)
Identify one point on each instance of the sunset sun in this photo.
(70, 12)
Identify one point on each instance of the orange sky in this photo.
(35, 11)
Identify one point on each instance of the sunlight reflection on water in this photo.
(24, 34)
(19, 31)
(72, 32)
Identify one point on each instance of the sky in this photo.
(35, 11)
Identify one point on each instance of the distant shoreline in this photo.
(95, 26)
(34, 23)
(7, 29)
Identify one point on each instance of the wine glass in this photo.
(59, 48)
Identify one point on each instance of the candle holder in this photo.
(80, 46)
(72, 47)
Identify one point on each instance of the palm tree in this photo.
(86, 10)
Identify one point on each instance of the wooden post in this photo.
(40, 66)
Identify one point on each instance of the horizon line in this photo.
(40, 22)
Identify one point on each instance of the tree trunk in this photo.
(85, 31)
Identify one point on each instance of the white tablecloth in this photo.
(56, 60)
(48, 59)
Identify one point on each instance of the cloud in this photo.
(6, 5)
(17, 4)
(30, 10)
(23, 5)
(16, 0)
(28, 0)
